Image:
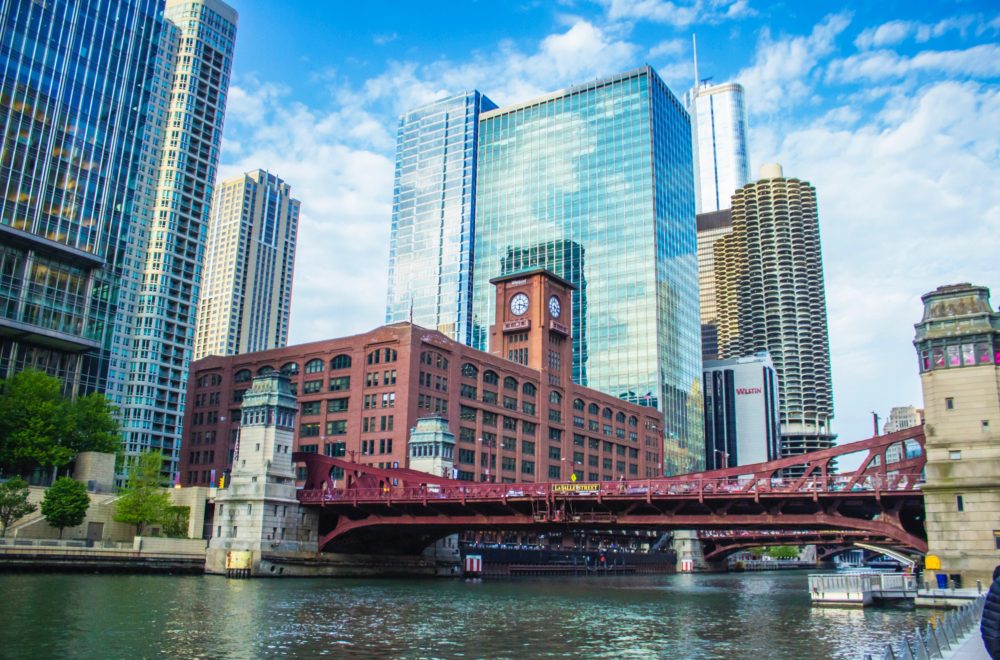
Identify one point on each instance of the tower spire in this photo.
(694, 48)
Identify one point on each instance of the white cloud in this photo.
(904, 207)
(780, 75)
(982, 60)
(896, 31)
(677, 14)
(669, 47)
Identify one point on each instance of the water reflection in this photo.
(678, 616)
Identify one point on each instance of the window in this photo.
(554, 453)
(340, 383)
(528, 389)
(555, 397)
(620, 418)
(633, 421)
(510, 383)
(510, 423)
(527, 448)
(949, 403)
(389, 377)
(489, 419)
(290, 368)
(312, 386)
(555, 415)
(955, 455)
(266, 369)
(489, 397)
(311, 408)
(314, 366)
(578, 421)
(555, 434)
(467, 413)
(336, 450)
(578, 404)
(336, 427)
(593, 409)
(340, 362)
(996, 539)
(528, 429)
(606, 413)
(385, 423)
(527, 467)
(309, 449)
(309, 431)
(578, 440)
(509, 443)
(469, 370)
(337, 405)
(467, 456)
(466, 434)
(242, 376)
(490, 377)
(528, 408)
(510, 403)
(554, 472)
(508, 464)
(959, 503)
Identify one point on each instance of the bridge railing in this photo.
(667, 487)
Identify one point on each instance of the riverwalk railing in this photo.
(940, 639)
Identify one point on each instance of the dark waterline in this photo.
(754, 615)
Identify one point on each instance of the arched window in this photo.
(593, 409)
(242, 376)
(577, 404)
(510, 383)
(340, 362)
(314, 366)
(633, 421)
(529, 389)
(490, 377)
(266, 369)
(290, 368)
(469, 370)
(606, 413)
(375, 357)
(620, 418)
(555, 397)
(390, 355)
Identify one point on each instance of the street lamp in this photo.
(564, 460)
(488, 444)
(725, 457)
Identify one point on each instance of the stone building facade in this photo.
(958, 346)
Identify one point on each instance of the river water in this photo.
(752, 615)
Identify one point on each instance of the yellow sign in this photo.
(932, 563)
(573, 478)
(576, 488)
(238, 559)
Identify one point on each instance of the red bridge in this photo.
(403, 511)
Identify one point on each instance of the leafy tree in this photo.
(14, 502)
(39, 427)
(33, 422)
(783, 552)
(93, 426)
(175, 521)
(143, 501)
(65, 504)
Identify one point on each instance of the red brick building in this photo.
(515, 412)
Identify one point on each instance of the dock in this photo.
(861, 589)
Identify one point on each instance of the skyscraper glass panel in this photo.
(595, 183)
(433, 213)
(74, 88)
(722, 163)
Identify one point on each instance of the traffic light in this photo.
(222, 481)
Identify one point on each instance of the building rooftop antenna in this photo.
(694, 47)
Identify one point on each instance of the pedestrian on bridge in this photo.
(990, 626)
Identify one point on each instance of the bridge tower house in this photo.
(958, 349)
(431, 449)
(258, 513)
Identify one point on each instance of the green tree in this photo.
(175, 521)
(65, 504)
(92, 425)
(34, 420)
(143, 501)
(14, 502)
(783, 552)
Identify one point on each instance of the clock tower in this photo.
(533, 321)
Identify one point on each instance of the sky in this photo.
(890, 109)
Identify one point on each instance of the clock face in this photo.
(519, 304)
(554, 307)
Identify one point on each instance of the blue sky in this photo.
(891, 109)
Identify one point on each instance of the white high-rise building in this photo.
(903, 417)
(719, 136)
(246, 293)
(741, 412)
(195, 60)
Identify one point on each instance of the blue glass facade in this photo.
(595, 183)
(73, 96)
(433, 211)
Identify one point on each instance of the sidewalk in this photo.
(971, 648)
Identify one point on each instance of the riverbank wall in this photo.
(142, 555)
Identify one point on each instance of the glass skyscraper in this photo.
(719, 125)
(433, 212)
(595, 183)
(76, 183)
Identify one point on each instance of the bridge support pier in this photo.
(691, 554)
